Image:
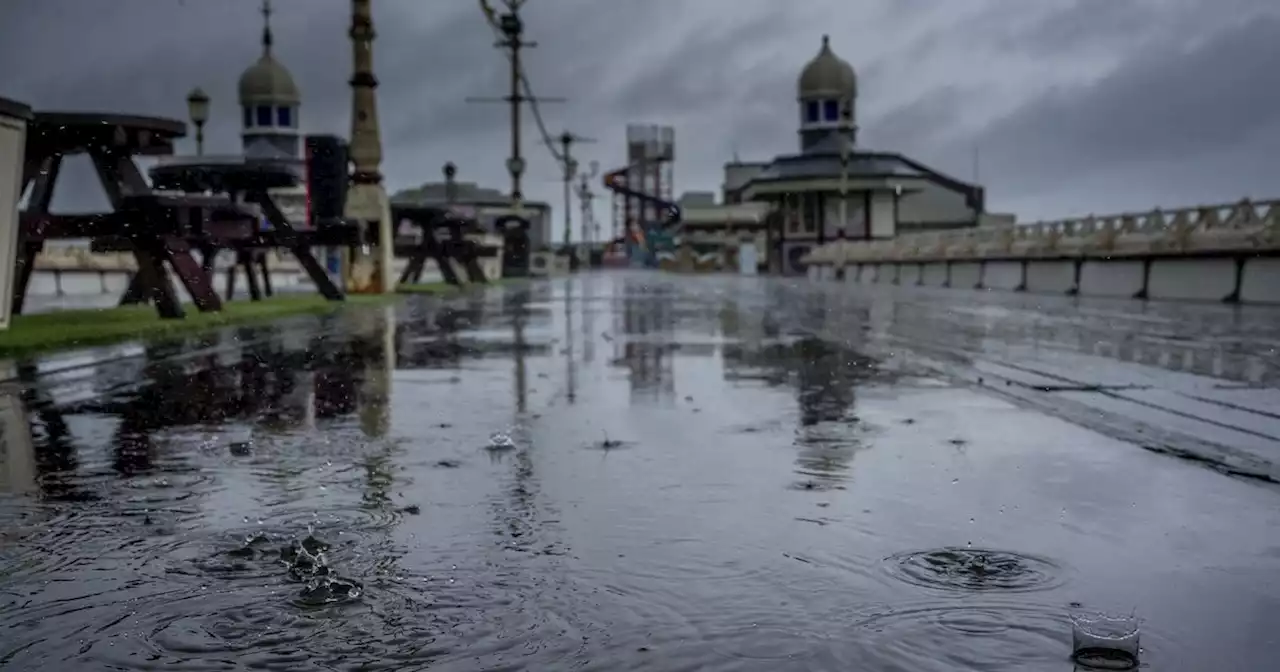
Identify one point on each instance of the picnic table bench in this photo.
(443, 237)
(155, 226)
(249, 182)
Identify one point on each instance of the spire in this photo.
(266, 28)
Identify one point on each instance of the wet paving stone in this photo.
(630, 471)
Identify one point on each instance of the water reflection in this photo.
(644, 343)
(186, 479)
(825, 375)
(17, 449)
(264, 384)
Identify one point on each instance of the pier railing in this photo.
(1210, 230)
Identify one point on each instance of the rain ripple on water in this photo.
(975, 569)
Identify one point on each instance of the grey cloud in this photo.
(722, 72)
(1172, 104)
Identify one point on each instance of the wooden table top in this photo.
(195, 174)
(76, 132)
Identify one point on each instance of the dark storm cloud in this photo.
(1049, 90)
(1176, 103)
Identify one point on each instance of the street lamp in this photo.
(198, 109)
(450, 185)
(515, 166)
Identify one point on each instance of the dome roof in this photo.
(267, 81)
(827, 75)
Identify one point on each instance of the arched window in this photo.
(811, 111)
(263, 114)
(247, 121)
(284, 116)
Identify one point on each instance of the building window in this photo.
(264, 115)
(812, 213)
(284, 117)
(811, 111)
(248, 116)
(831, 110)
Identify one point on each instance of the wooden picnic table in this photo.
(443, 237)
(250, 181)
(157, 227)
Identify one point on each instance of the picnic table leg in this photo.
(324, 284)
(208, 258)
(136, 292)
(266, 274)
(152, 282)
(118, 174)
(442, 260)
(413, 270)
(199, 285)
(471, 261)
(244, 258)
(41, 173)
(231, 282)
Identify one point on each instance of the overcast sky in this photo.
(1070, 106)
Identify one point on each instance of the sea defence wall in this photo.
(1225, 253)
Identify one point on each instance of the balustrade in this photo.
(1211, 230)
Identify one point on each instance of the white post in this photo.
(13, 142)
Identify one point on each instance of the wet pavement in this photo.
(640, 472)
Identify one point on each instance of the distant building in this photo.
(886, 193)
(483, 204)
(269, 105)
(718, 232)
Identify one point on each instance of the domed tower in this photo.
(269, 101)
(826, 90)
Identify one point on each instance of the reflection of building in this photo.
(644, 329)
(269, 104)
(484, 204)
(884, 192)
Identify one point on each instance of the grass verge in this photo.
(429, 288)
(66, 329)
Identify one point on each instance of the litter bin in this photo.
(13, 141)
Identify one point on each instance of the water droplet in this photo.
(954, 481)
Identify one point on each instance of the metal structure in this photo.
(510, 27)
(570, 165)
(589, 228)
(651, 151)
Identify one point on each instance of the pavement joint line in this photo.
(1222, 458)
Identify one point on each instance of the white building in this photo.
(269, 123)
(832, 188)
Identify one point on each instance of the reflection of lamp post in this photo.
(198, 110)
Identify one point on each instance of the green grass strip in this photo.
(67, 329)
(429, 288)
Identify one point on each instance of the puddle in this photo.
(993, 637)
